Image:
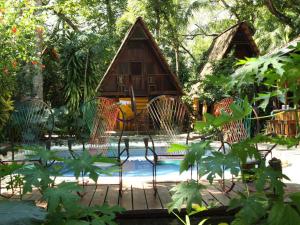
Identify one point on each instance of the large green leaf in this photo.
(62, 197)
(186, 193)
(282, 213)
(41, 153)
(253, 208)
(21, 213)
(177, 148)
(102, 214)
(215, 164)
(245, 150)
(267, 175)
(295, 197)
(85, 165)
(194, 154)
(36, 175)
(7, 169)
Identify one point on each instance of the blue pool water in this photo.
(140, 168)
(136, 166)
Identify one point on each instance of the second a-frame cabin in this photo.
(138, 70)
(238, 38)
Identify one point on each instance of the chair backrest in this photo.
(33, 119)
(234, 131)
(171, 121)
(31, 124)
(101, 115)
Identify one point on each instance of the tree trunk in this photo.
(279, 15)
(157, 15)
(37, 80)
(176, 50)
(110, 18)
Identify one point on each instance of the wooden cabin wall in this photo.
(139, 63)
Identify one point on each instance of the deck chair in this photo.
(237, 131)
(171, 123)
(101, 116)
(31, 124)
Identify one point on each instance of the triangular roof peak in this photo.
(139, 31)
(223, 42)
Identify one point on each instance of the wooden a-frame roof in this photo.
(155, 48)
(223, 42)
(221, 46)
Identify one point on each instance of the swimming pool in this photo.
(135, 166)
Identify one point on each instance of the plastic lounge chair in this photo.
(101, 116)
(237, 131)
(171, 123)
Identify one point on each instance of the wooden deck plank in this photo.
(208, 199)
(139, 199)
(219, 195)
(144, 198)
(230, 194)
(27, 196)
(164, 195)
(238, 187)
(112, 197)
(153, 201)
(99, 196)
(35, 195)
(126, 200)
(89, 192)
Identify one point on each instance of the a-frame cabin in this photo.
(238, 38)
(138, 71)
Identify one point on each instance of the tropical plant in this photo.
(274, 72)
(18, 29)
(63, 199)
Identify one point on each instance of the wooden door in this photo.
(136, 75)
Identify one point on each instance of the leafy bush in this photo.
(63, 200)
(282, 73)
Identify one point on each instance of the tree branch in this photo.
(67, 20)
(228, 7)
(202, 33)
(279, 15)
(188, 52)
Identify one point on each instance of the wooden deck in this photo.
(140, 199)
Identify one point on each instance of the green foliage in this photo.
(216, 122)
(217, 163)
(213, 86)
(253, 209)
(64, 207)
(13, 179)
(186, 193)
(260, 207)
(21, 213)
(85, 165)
(62, 197)
(282, 213)
(6, 106)
(267, 175)
(36, 175)
(273, 71)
